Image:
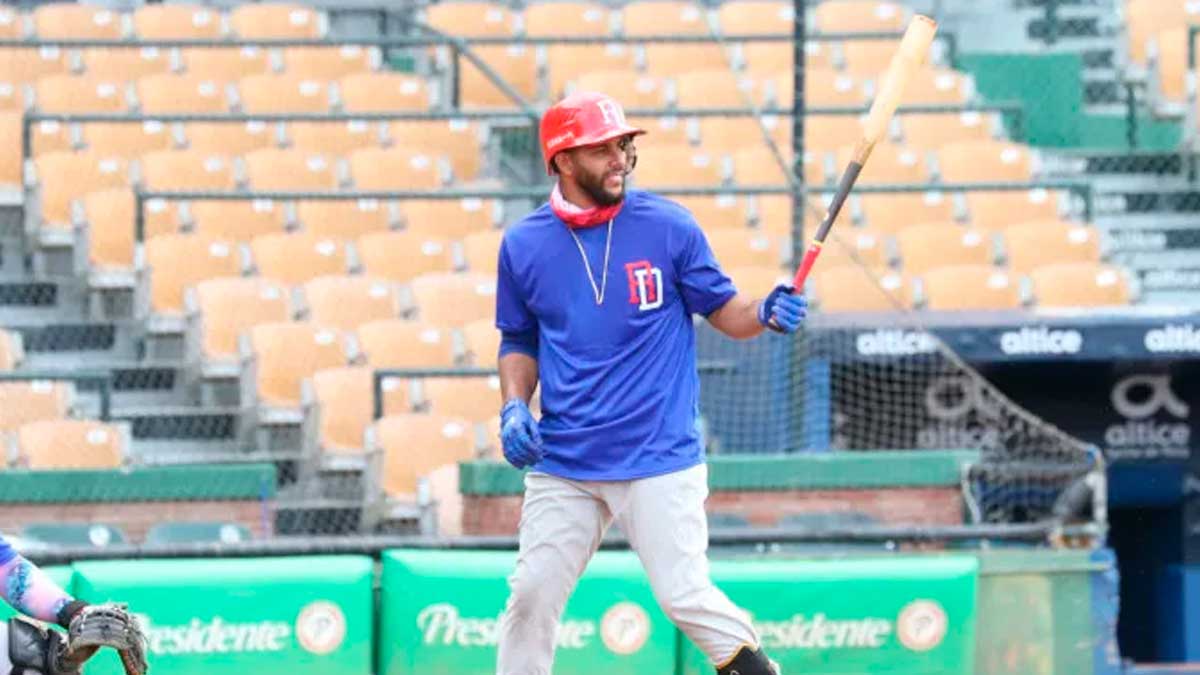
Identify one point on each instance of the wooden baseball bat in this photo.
(911, 54)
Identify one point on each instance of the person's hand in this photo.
(519, 436)
(783, 310)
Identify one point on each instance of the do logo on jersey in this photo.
(645, 285)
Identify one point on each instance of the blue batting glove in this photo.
(782, 311)
(519, 436)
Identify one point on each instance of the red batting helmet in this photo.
(583, 118)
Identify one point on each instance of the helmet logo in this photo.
(612, 112)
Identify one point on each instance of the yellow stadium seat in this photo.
(771, 214)
(71, 444)
(891, 212)
(631, 88)
(268, 20)
(1170, 47)
(934, 130)
(10, 139)
(19, 65)
(566, 63)
(330, 63)
(851, 288)
(180, 94)
(48, 136)
(824, 133)
(995, 209)
(228, 306)
(22, 402)
(855, 246)
(459, 141)
(400, 343)
(347, 301)
(284, 353)
(932, 86)
(413, 445)
(1032, 244)
(708, 88)
(11, 350)
(176, 22)
(757, 165)
(344, 398)
(482, 340)
(860, 16)
(296, 257)
(72, 21)
(402, 256)
(11, 24)
(449, 218)
(127, 140)
(713, 211)
(453, 299)
(674, 59)
(663, 17)
(471, 398)
(823, 87)
(124, 65)
(471, 19)
(63, 177)
(238, 221)
(333, 138)
(276, 169)
(888, 164)
(985, 161)
(186, 170)
(758, 281)
(668, 130)
(13, 96)
(283, 93)
(383, 92)
(79, 94)
(868, 59)
(928, 245)
(552, 19)
(109, 217)
(228, 138)
(1144, 19)
(225, 64)
(969, 287)
(515, 64)
(176, 261)
(723, 134)
(1080, 284)
(677, 166)
(481, 251)
(756, 17)
(744, 248)
(394, 169)
(343, 218)
(766, 60)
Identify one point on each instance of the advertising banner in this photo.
(440, 615)
(893, 614)
(278, 616)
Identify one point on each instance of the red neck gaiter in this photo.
(575, 216)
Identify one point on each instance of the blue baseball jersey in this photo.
(619, 386)
(7, 552)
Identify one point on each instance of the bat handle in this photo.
(810, 257)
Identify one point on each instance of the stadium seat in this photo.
(394, 169)
(985, 161)
(176, 22)
(181, 94)
(109, 217)
(333, 138)
(19, 65)
(12, 351)
(766, 60)
(294, 258)
(228, 138)
(824, 133)
(515, 64)
(226, 306)
(822, 87)
(344, 400)
(282, 354)
(70, 444)
(12, 24)
(757, 165)
(344, 302)
(868, 59)
(73, 534)
(401, 343)
(176, 261)
(413, 445)
(471, 398)
(47, 136)
(850, 288)
(855, 246)
(471, 19)
(663, 17)
(1145, 19)
(729, 134)
(453, 299)
(756, 17)
(13, 96)
(891, 212)
(1033, 244)
(713, 88)
(937, 87)
(481, 251)
(22, 402)
(744, 248)
(1080, 284)
(72, 21)
(345, 218)
(677, 166)
(79, 94)
(383, 92)
(757, 281)
(267, 20)
(482, 343)
(402, 256)
(633, 89)
(330, 63)
(459, 141)
(666, 130)
(197, 533)
(1169, 51)
(969, 287)
(277, 169)
(933, 130)
(127, 140)
(566, 63)
(889, 163)
(282, 93)
(714, 211)
(63, 177)
(225, 64)
(995, 209)
(674, 59)
(450, 218)
(186, 170)
(927, 245)
(771, 214)
(860, 16)
(238, 221)
(124, 65)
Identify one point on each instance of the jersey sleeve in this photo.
(512, 314)
(703, 284)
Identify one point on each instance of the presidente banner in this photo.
(891, 614)
(273, 616)
(440, 615)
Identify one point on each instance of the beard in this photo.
(593, 185)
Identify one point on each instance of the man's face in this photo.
(600, 170)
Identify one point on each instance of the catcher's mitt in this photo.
(105, 625)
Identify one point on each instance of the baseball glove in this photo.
(105, 625)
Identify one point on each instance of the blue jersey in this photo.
(619, 387)
(7, 552)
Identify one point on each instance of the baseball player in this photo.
(596, 291)
(32, 649)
